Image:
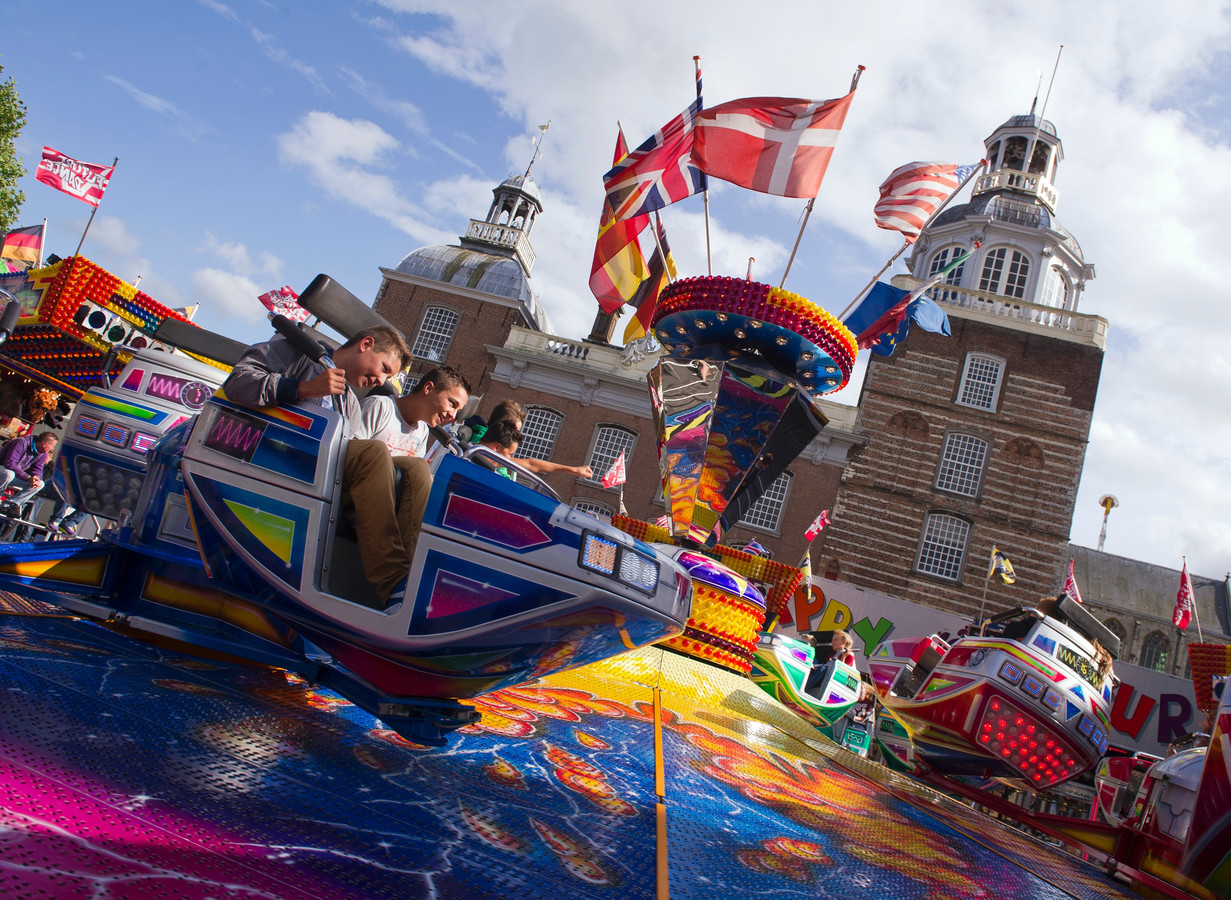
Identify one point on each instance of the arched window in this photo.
(1055, 290)
(435, 333)
(992, 153)
(1015, 153)
(942, 548)
(961, 464)
(767, 511)
(1154, 652)
(1114, 626)
(997, 280)
(980, 385)
(944, 257)
(609, 442)
(539, 431)
(594, 508)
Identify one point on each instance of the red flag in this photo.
(615, 475)
(913, 192)
(23, 243)
(775, 145)
(619, 265)
(817, 524)
(281, 302)
(1070, 584)
(645, 300)
(1183, 612)
(85, 181)
(658, 172)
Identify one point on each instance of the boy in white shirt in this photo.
(403, 422)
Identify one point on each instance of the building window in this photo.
(980, 385)
(1114, 626)
(594, 508)
(1154, 652)
(1055, 290)
(996, 280)
(609, 443)
(961, 465)
(939, 261)
(435, 334)
(943, 547)
(539, 432)
(767, 511)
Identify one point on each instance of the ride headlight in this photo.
(605, 556)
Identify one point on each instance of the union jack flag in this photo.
(912, 193)
(657, 173)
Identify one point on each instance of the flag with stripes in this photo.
(25, 244)
(85, 181)
(645, 300)
(1070, 584)
(912, 193)
(775, 145)
(1183, 612)
(619, 264)
(1001, 567)
(657, 173)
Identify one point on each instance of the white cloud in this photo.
(186, 126)
(229, 298)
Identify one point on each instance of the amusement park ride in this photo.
(229, 535)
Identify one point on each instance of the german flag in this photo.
(25, 244)
(645, 300)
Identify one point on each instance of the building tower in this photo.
(479, 286)
(978, 440)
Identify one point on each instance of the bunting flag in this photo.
(1183, 612)
(25, 244)
(645, 300)
(817, 524)
(755, 548)
(281, 302)
(616, 474)
(619, 265)
(775, 145)
(1001, 567)
(1070, 584)
(912, 193)
(85, 181)
(657, 173)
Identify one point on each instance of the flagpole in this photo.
(662, 254)
(705, 194)
(859, 70)
(905, 244)
(90, 221)
(43, 246)
(983, 603)
(1039, 127)
(1192, 598)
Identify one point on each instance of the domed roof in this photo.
(1030, 121)
(526, 185)
(476, 270)
(1005, 207)
(487, 272)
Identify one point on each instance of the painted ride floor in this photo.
(129, 771)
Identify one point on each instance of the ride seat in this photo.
(913, 677)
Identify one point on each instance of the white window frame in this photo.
(600, 464)
(593, 507)
(963, 459)
(432, 342)
(940, 558)
(535, 443)
(973, 362)
(995, 279)
(766, 514)
(1055, 291)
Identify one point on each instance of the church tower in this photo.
(978, 440)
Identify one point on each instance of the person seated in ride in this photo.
(387, 528)
(504, 437)
(842, 647)
(516, 413)
(403, 423)
(21, 464)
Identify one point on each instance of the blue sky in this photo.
(261, 143)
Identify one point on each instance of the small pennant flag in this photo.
(1183, 612)
(1070, 584)
(1001, 567)
(281, 302)
(616, 474)
(817, 524)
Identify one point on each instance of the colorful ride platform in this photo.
(128, 770)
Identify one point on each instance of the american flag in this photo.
(1183, 612)
(775, 145)
(658, 172)
(912, 193)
